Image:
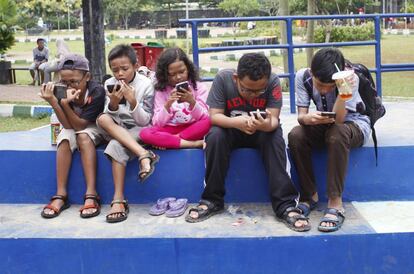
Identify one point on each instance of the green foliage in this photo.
(239, 8)
(116, 10)
(7, 20)
(346, 33)
(328, 6)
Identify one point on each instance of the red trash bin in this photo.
(153, 51)
(140, 51)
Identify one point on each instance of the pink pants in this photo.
(170, 136)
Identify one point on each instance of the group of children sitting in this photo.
(241, 109)
(125, 113)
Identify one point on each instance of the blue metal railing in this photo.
(290, 46)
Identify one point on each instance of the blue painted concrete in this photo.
(370, 253)
(180, 173)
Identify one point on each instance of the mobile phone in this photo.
(60, 91)
(182, 86)
(261, 113)
(112, 88)
(328, 114)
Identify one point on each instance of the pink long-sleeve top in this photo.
(180, 113)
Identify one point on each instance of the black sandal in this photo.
(154, 158)
(121, 215)
(290, 221)
(203, 214)
(56, 211)
(337, 221)
(96, 205)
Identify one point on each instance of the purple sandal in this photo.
(161, 206)
(177, 208)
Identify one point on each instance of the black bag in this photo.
(374, 108)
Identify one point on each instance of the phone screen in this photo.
(112, 88)
(60, 92)
(328, 114)
(182, 86)
(261, 113)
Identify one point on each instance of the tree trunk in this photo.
(328, 29)
(94, 37)
(284, 10)
(310, 31)
(169, 15)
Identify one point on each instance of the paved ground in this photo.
(18, 93)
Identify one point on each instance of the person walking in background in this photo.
(180, 111)
(40, 58)
(62, 50)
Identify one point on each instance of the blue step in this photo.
(147, 244)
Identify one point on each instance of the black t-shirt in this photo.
(224, 94)
(94, 102)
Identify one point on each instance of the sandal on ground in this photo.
(161, 206)
(290, 221)
(96, 205)
(120, 215)
(306, 209)
(144, 174)
(177, 208)
(56, 211)
(337, 221)
(203, 214)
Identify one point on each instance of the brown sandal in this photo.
(96, 205)
(56, 210)
(123, 214)
(154, 158)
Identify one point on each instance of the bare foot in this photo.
(191, 144)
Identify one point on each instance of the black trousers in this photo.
(219, 144)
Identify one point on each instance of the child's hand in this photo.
(46, 92)
(260, 123)
(317, 119)
(244, 123)
(186, 95)
(128, 92)
(115, 97)
(171, 99)
(72, 95)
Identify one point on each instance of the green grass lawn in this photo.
(395, 49)
(21, 123)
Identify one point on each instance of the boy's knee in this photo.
(216, 135)
(296, 136)
(103, 120)
(336, 135)
(83, 139)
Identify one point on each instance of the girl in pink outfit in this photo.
(180, 115)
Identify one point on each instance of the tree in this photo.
(284, 10)
(271, 7)
(310, 32)
(7, 20)
(116, 9)
(238, 8)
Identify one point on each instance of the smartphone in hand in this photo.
(60, 91)
(328, 114)
(112, 88)
(261, 113)
(180, 87)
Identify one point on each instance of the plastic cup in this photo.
(343, 80)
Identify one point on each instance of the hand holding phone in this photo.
(261, 113)
(115, 88)
(328, 114)
(60, 91)
(181, 88)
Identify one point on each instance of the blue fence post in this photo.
(291, 65)
(377, 23)
(194, 38)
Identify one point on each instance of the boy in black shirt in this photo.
(77, 113)
(234, 99)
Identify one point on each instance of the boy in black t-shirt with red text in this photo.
(234, 99)
(77, 113)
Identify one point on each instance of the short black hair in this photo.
(168, 57)
(323, 64)
(255, 66)
(40, 39)
(123, 50)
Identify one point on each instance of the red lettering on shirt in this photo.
(277, 93)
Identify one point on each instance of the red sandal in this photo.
(56, 210)
(96, 205)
